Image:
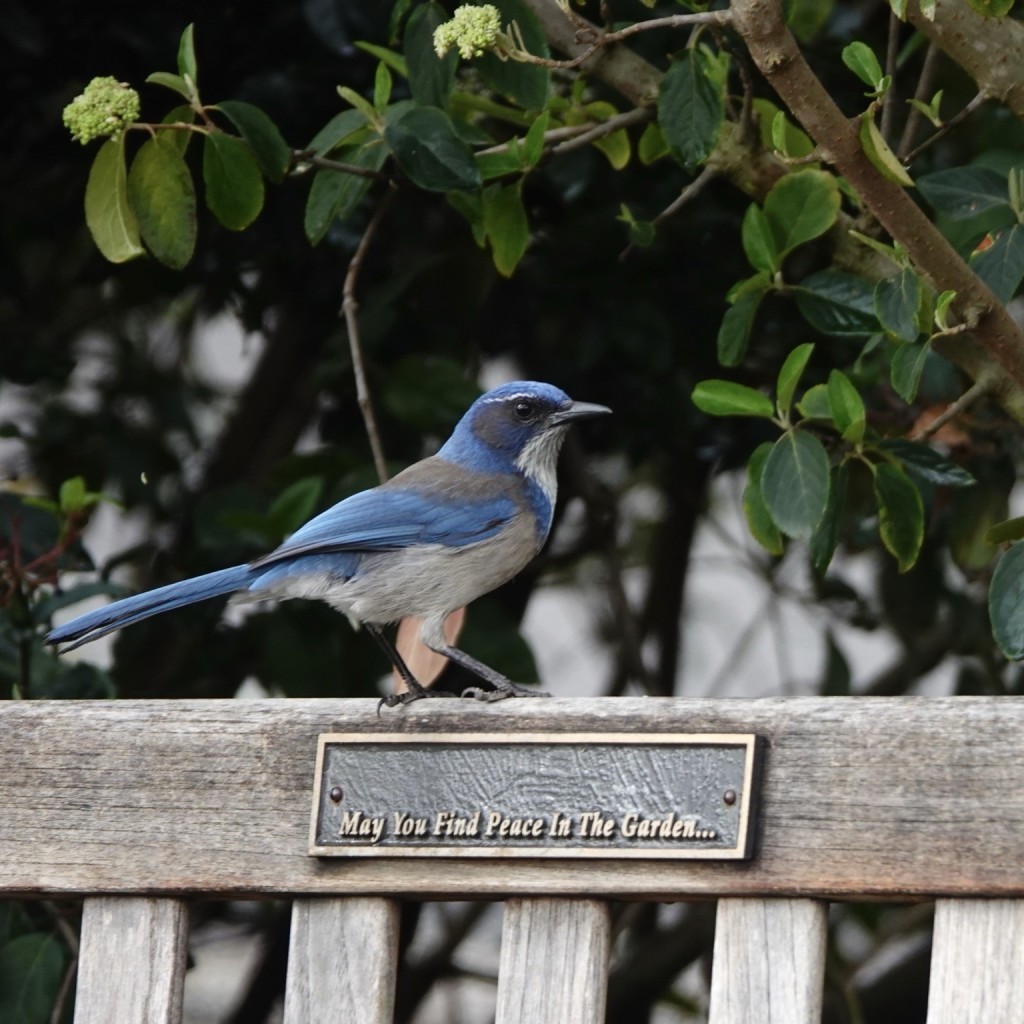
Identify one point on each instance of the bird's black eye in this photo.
(524, 410)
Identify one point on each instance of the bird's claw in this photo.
(501, 692)
(393, 700)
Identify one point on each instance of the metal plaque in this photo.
(669, 795)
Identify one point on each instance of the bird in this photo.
(436, 536)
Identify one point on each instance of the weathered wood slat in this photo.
(554, 962)
(769, 961)
(342, 961)
(132, 961)
(977, 974)
(862, 797)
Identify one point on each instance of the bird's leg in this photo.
(503, 687)
(416, 690)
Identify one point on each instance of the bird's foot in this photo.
(502, 692)
(415, 692)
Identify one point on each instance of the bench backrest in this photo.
(139, 806)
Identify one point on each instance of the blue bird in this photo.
(432, 539)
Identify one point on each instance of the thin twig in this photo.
(71, 938)
(350, 309)
(889, 99)
(569, 131)
(921, 93)
(600, 39)
(599, 131)
(979, 388)
(692, 190)
(325, 163)
(951, 123)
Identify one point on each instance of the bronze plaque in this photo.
(670, 795)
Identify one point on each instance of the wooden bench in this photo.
(138, 807)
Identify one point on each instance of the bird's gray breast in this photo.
(428, 579)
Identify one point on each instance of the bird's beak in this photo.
(577, 411)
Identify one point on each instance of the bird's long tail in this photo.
(92, 625)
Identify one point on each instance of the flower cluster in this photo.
(472, 31)
(105, 107)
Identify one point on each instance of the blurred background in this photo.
(216, 406)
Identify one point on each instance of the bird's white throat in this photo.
(539, 460)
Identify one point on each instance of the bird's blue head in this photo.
(517, 426)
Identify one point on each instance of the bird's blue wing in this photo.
(387, 518)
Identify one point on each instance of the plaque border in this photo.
(752, 743)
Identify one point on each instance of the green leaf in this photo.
(273, 154)
(335, 195)
(337, 130)
(992, 8)
(173, 82)
(164, 200)
(778, 132)
(795, 483)
(759, 521)
(896, 302)
(1006, 531)
(1006, 603)
(734, 332)
(430, 78)
(470, 205)
(900, 514)
(381, 86)
(908, 362)
(31, 967)
(507, 227)
(815, 405)
(878, 152)
(187, 66)
(838, 303)
(652, 145)
(925, 463)
(690, 109)
(72, 495)
(108, 213)
(726, 398)
(395, 61)
(616, 147)
(801, 206)
(789, 376)
(964, 192)
(533, 144)
(525, 84)
(758, 240)
(183, 114)
(1001, 265)
(295, 504)
(429, 150)
(234, 184)
(825, 538)
(847, 407)
(861, 60)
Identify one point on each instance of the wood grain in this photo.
(977, 974)
(769, 961)
(870, 798)
(554, 962)
(132, 961)
(342, 960)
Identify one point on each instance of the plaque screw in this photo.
(336, 794)
(729, 796)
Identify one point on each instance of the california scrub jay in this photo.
(427, 542)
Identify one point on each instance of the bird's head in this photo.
(518, 425)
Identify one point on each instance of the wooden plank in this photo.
(769, 961)
(554, 962)
(342, 961)
(977, 974)
(132, 961)
(872, 798)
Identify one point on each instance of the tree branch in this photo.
(775, 52)
(990, 50)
